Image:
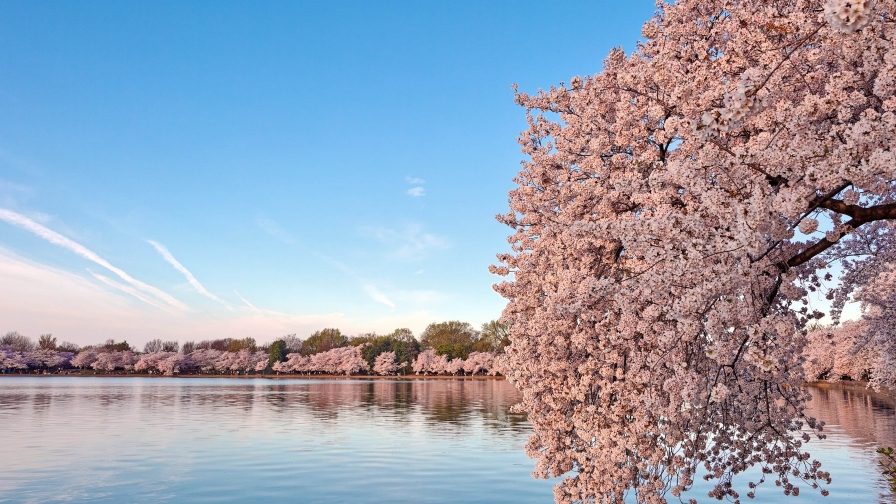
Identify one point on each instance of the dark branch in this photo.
(863, 214)
(860, 215)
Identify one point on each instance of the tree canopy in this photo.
(277, 352)
(675, 213)
(400, 342)
(493, 336)
(451, 333)
(323, 340)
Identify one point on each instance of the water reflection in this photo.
(151, 440)
(869, 418)
(126, 439)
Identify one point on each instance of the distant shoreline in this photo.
(262, 377)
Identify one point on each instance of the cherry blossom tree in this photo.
(158, 362)
(224, 362)
(843, 352)
(350, 361)
(424, 361)
(385, 364)
(106, 361)
(455, 366)
(13, 360)
(295, 363)
(479, 362)
(429, 362)
(84, 359)
(204, 359)
(674, 214)
(171, 363)
(49, 358)
(341, 360)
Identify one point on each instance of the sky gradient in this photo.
(189, 170)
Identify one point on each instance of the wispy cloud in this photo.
(378, 296)
(37, 298)
(129, 290)
(417, 192)
(415, 180)
(370, 289)
(57, 239)
(189, 276)
(409, 243)
(274, 229)
(250, 305)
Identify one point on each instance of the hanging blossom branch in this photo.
(780, 113)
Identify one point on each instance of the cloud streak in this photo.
(129, 290)
(417, 192)
(378, 296)
(250, 305)
(57, 239)
(189, 276)
(370, 289)
(37, 298)
(415, 180)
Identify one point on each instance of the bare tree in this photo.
(293, 343)
(17, 342)
(66, 346)
(153, 346)
(46, 342)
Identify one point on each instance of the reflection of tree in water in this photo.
(42, 401)
(222, 398)
(442, 403)
(111, 397)
(11, 402)
(458, 403)
(863, 414)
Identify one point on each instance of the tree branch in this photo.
(860, 215)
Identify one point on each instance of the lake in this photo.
(249, 440)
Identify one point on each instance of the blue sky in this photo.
(265, 168)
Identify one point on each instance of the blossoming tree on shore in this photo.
(674, 214)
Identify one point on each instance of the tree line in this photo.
(451, 347)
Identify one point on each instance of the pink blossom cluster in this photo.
(386, 364)
(35, 359)
(348, 360)
(662, 277)
(342, 360)
(843, 352)
(428, 362)
(171, 363)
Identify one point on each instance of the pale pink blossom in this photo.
(848, 15)
(658, 292)
(385, 364)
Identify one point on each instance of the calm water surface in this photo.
(200, 440)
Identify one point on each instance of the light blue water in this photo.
(225, 440)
